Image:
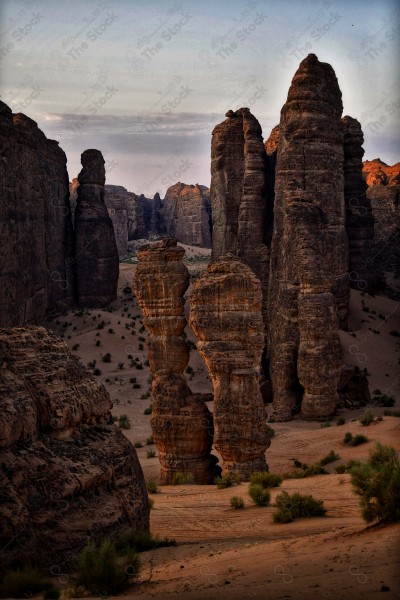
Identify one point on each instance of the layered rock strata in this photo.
(363, 270)
(36, 250)
(96, 253)
(186, 211)
(181, 422)
(309, 171)
(67, 473)
(225, 314)
(238, 194)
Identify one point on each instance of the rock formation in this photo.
(363, 271)
(96, 254)
(67, 473)
(180, 421)
(384, 194)
(226, 317)
(238, 194)
(186, 213)
(36, 246)
(308, 273)
(117, 207)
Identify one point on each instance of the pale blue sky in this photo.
(146, 81)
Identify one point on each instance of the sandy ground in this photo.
(241, 554)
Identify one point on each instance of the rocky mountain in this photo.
(185, 214)
(36, 250)
(67, 472)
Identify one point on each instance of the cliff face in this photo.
(238, 194)
(67, 473)
(180, 421)
(96, 254)
(186, 214)
(363, 268)
(117, 207)
(384, 194)
(309, 171)
(226, 317)
(36, 250)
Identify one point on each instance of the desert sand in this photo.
(241, 554)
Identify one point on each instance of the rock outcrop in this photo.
(384, 194)
(36, 249)
(96, 254)
(186, 212)
(363, 270)
(117, 207)
(238, 194)
(308, 270)
(67, 473)
(225, 314)
(181, 422)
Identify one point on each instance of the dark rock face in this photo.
(363, 270)
(36, 250)
(117, 207)
(186, 214)
(384, 194)
(96, 253)
(67, 472)
(238, 194)
(308, 273)
(180, 421)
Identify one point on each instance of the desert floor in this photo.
(241, 554)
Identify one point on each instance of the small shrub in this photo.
(148, 410)
(75, 347)
(106, 357)
(124, 422)
(140, 540)
(395, 333)
(150, 502)
(138, 445)
(377, 483)
(182, 478)
(224, 482)
(341, 421)
(359, 439)
(347, 437)
(111, 330)
(152, 487)
(150, 440)
(236, 477)
(270, 432)
(98, 343)
(100, 572)
(97, 371)
(120, 366)
(296, 506)
(266, 480)
(23, 583)
(329, 458)
(150, 453)
(189, 370)
(52, 594)
(236, 502)
(366, 418)
(326, 424)
(136, 386)
(384, 400)
(348, 466)
(259, 495)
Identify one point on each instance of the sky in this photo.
(146, 81)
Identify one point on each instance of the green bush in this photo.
(341, 421)
(259, 495)
(224, 482)
(366, 418)
(236, 502)
(52, 594)
(307, 471)
(152, 487)
(147, 411)
(150, 502)
(346, 467)
(106, 357)
(138, 445)
(359, 439)
(329, 458)
(23, 583)
(296, 506)
(326, 424)
(347, 437)
(124, 422)
(384, 400)
(100, 571)
(182, 478)
(141, 540)
(266, 480)
(151, 453)
(377, 483)
(150, 440)
(270, 432)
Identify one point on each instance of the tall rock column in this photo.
(226, 317)
(309, 165)
(238, 194)
(181, 422)
(96, 253)
(363, 273)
